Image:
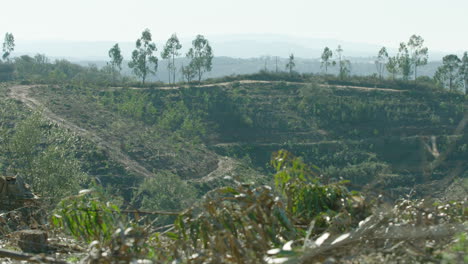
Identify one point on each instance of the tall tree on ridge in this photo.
(404, 61)
(344, 65)
(448, 74)
(116, 59)
(419, 54)
(291, 64)
(8, 46)
(143, 58)
(171, 51)
(381, 61)
(201, 56)
(326, 56)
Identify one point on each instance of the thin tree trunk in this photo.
(276, 64)
(169, 71)
(380, 71)
(173, 69)
(199, 75)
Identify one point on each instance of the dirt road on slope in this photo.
(21, 93)
(224, 84)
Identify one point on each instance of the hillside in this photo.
(357, 133)
(216, 148)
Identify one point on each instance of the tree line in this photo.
(144, 62)
(410, 56)
(452, 74)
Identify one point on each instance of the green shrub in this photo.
(306, 197)
(87, 216)
(45, 156)
(166, 191)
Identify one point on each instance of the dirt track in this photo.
(21, 93)
(224, 84)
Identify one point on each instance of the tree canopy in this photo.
(201, 56)
(448, 73)
(326, 57)
(169, 53)
(8, 46)
(419, 54)
(116, 59)
(291, 64)
(143, 61)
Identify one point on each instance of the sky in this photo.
(443, 24)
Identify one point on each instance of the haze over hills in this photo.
(236, 46)
(234, 54)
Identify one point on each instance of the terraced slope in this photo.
(374, 137)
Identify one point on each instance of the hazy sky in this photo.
(442, 23)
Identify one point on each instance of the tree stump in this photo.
(33, 241)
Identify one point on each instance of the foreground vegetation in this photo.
(307, 223)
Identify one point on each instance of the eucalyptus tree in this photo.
(381, 61)
(448, 74)
(291, 64)
(418, 53)
(116, 57)
(326, 57)
(8, 46)
(201, 56)
(188, 73)
(170, 52)
(392, 66)
(143, 61)
(404, 61)
(344, 65)
(464, 71)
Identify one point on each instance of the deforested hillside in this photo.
(216, 147)
(391, 138)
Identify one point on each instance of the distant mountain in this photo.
(234, 54)
(236, 46)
